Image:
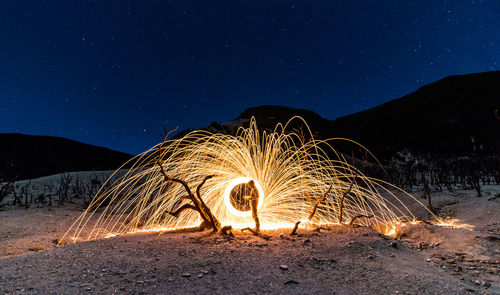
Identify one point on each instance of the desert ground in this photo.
(420, 259)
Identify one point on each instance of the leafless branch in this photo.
(343, 197)
(311, 215)
(357, 217)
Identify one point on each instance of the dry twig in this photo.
(357, 217)
(343, 197)
(198, 204)
(313, 211)
(294, 231)
(311, 215)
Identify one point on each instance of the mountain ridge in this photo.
(25, 156)
(452, 116)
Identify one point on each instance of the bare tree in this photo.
(64, 187)
(5, 189)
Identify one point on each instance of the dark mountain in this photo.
(267, 117)
(28, 156)
(453, 116)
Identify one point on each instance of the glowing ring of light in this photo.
(227, 196)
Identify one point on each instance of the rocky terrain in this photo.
(463, 258)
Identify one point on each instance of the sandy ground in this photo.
(423, 259)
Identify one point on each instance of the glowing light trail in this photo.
(290, 172)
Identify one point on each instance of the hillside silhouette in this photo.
(453, 116)
(29, 156)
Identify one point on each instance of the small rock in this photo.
(450, 260)
(492, 237)
(437, 256)
(204, 271)
(186, 275)
(291, 283)
(393, 244)
(281, 236)
(485, 283)
(35, 249)
(283, 267)
(59, 242)
(200, 276)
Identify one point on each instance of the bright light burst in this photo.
(290, 173)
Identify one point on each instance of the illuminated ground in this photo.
(427, 260)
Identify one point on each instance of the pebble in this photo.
(186, 275)
(200, 276)
(283, 267)
(204, 271)
(291, 283)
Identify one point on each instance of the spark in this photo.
(454, 223)
(290, 173)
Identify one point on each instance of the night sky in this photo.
(110, 73)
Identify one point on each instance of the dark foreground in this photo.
(340, 261)
(425, 259)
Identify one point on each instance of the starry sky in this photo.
(110, 73)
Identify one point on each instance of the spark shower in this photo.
(290, 169)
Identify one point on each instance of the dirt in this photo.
(423, 259)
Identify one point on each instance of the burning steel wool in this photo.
(254, 179)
